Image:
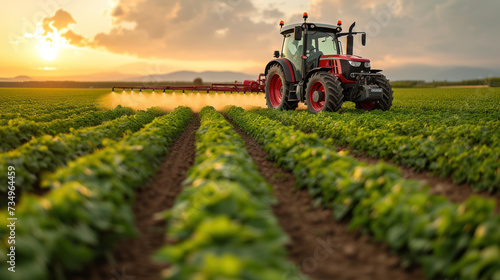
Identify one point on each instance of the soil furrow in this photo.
(440, 186)
(132, 257)
(323, 248)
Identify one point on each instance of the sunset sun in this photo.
(47, 51)
(50, 45)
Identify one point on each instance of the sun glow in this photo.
(50, 45)
(47, 50)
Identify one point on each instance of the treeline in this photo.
(492, 82)
(73, 84)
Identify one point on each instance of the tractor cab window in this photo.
(326, 43)
(292, 50)
(319, 43)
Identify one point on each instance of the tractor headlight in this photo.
(355, 63)
(368, 65)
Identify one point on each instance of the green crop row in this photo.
(44, 110)
(440, 129)
(222, 223)
(35, 115)
(448, 240)
(20, 131)
(35, 101)
(466, 102)
(46, 153)
(89, 206)
(459, 152)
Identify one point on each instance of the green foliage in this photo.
(19, 131)
(465, 147)
(35, 103)
(448, 239)
(222, 223)
(46, 153)
(89, 206)
(39, 115)
(492, 82)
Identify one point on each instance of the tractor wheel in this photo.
(385, 103)
(324, 93)
(277, 91)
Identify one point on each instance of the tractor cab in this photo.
(320, 42)
(311, 68)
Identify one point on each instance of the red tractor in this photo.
(312, 69)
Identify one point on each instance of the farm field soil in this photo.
(348, 256)
(132, 256)
(335, 181)
(468, 117)
(440, 186)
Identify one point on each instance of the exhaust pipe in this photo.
(350, 41)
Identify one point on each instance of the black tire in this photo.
(386, 102)
(332, 98)
(273, 78)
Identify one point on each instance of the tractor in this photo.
(312, 69)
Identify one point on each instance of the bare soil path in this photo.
(440, 186)
(132, 258)
(323, 248)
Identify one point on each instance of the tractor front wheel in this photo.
(324, 93)
(383, 104)
(277, 90)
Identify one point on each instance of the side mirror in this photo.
(298, 33)
(277, 54)
(363, 39)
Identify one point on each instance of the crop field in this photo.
(144, 185)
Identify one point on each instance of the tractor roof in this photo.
(312, 27)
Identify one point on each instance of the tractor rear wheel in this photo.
(277, 90)
(383, 104)
(324, 93)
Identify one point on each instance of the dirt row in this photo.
(439, 186)
(132, 257)
(322, 248)
(319, 246)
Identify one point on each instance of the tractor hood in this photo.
(346, 57)
(346, 65)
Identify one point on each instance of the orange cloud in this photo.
(61, 20)
(75, 39)
(58, 26)
(192, 30)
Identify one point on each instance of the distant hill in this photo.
(96, 77)
(436, 73)
(179, 76)
(16, 79)
(188, 76)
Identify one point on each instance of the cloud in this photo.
(61, 20)
(437, 32)
(191, 30)
(75, 39)
(400, 32)
(117, 12)
(56, 32)
(273, 13)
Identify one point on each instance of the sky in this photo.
(70, 38)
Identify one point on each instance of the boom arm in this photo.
(246, 86)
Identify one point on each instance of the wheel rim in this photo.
(317, 86)
(367, 105)
(276, 90)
